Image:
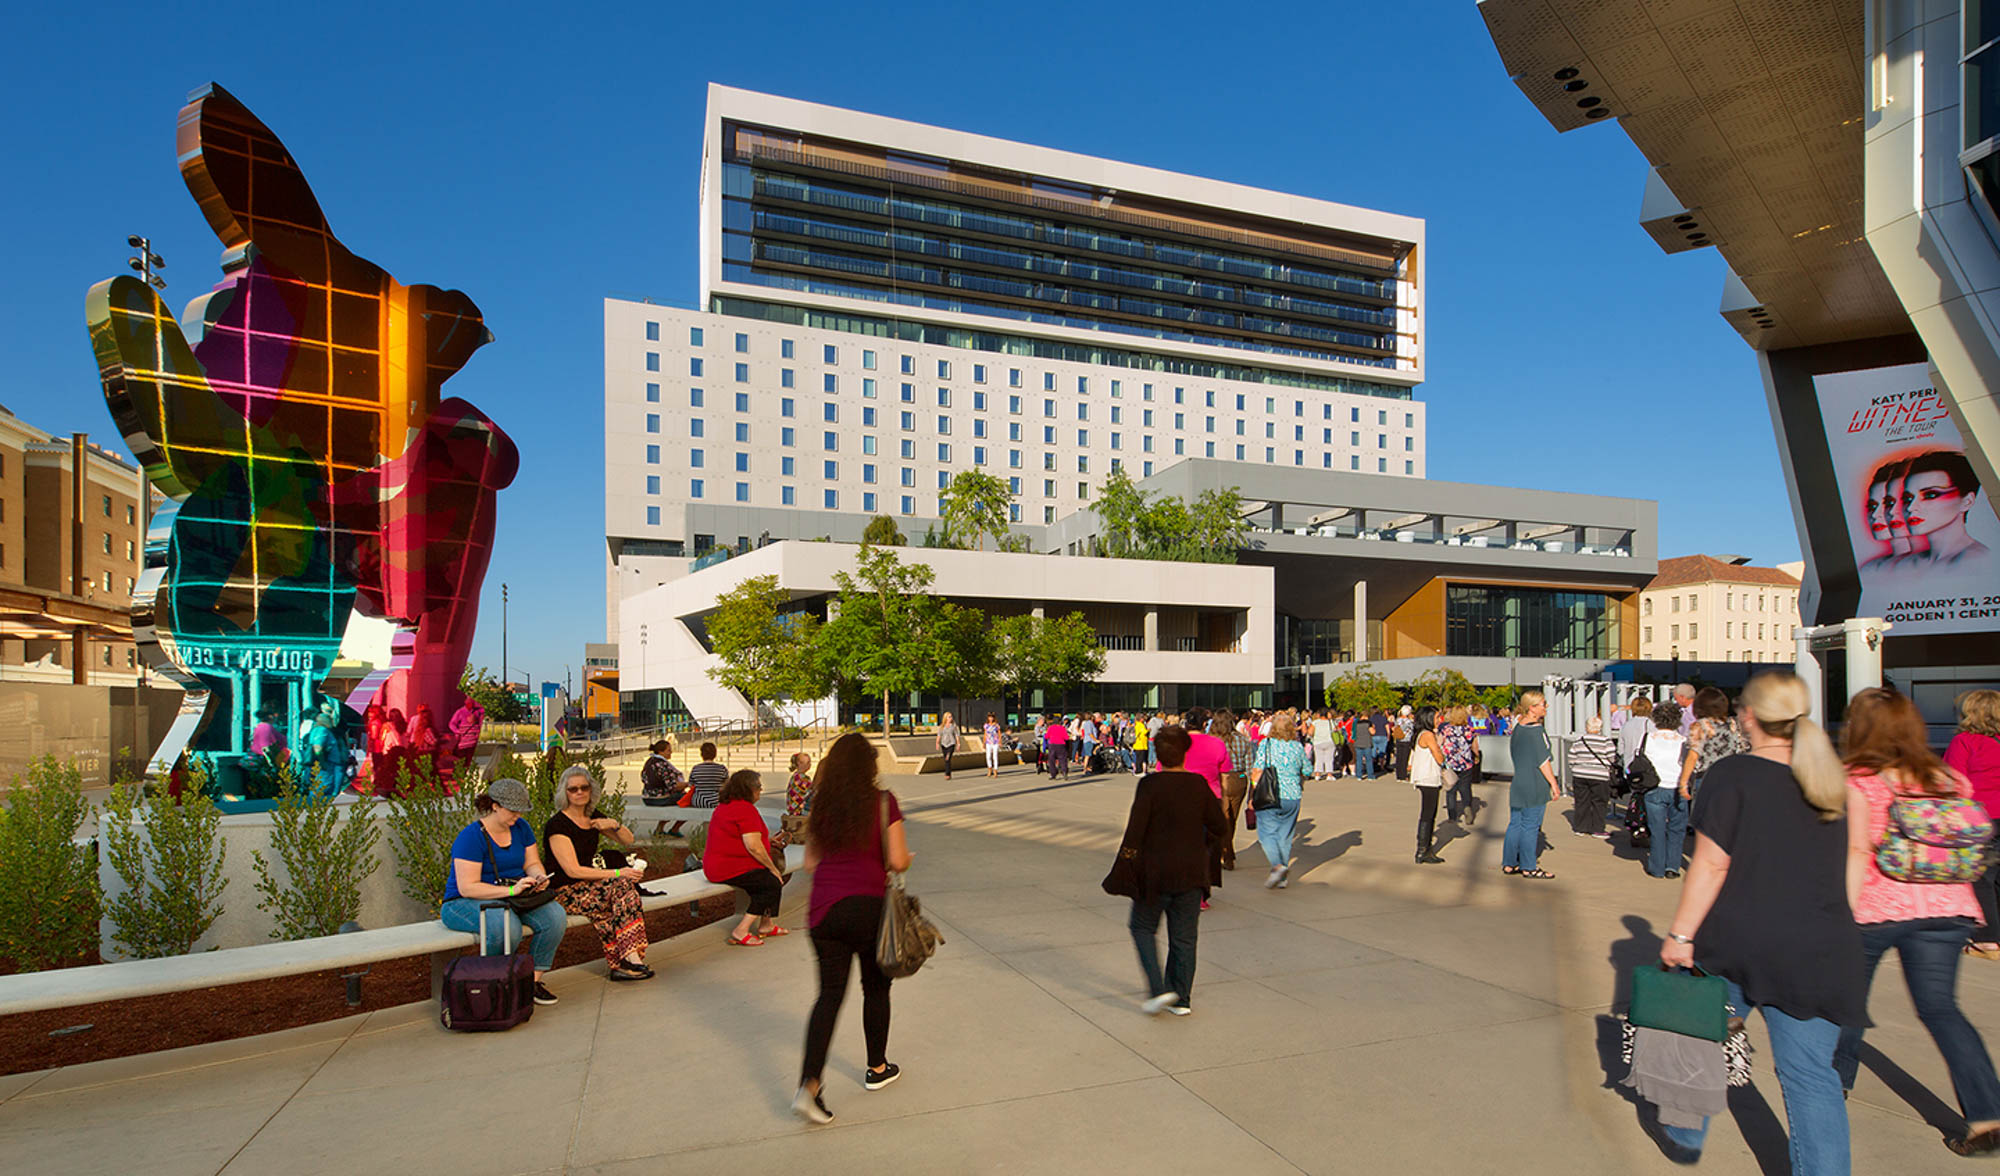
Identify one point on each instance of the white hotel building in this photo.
(885, 304)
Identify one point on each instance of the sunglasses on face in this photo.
(578, 790)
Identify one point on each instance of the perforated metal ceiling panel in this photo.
(1752, 112)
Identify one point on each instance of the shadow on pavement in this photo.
(1934, 1110)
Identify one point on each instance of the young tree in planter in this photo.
(805, 671)
(423, 816)
(500, 703)
(1218, 525)
(882, 532)
(48, 881)
(1362, 689)
(752, 634)
(1056, 654)
(1443, 689)
(974, 506)
(968, 664)
(1120, 507)
(884, 640)
(325, 860)
(169, 857)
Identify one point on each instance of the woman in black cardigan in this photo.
(1173, 840)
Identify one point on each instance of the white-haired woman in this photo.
(599, 884)
(1765, 907)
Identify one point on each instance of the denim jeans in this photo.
(1183, 911)
(1274, 831)
(1667, 820)
(1930, 950)
(547, 921)
(1523, 845)
(1377, 744)
(1815, 1110)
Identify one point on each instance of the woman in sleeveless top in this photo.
(1427, 777)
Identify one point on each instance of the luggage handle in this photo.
(506, 948)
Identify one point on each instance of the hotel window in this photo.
(830, 441)
(944, 452)
(1270, 431)
(909, 476)
(694, 336)
(696, 427)
(1239, 427)
(979, 402)
(1729, 630)
(1082, 411)
(742, 402)
(1180, 446)
(784, 349)
(1298, 408)
(1048, 381)
(1180, 420)
(979, 373)
(829, 383)
(1409, 445)
(1082, 464)
(868, 443)
(652, 422)
(944, 369)
(788, 437)
(1298, 457)
(1013, 377)
(652, 394)
(1270, 454)
(1048, 487)
(829, 354)
(909, 394)
(830, 413)
(1083, 490)
(694, 364)
(1116, 414)
(1048, 408)
(787, 466)
(909, 450)
(830, 471)
(653, 512)
(1048, 461)
(1013, 485)
(1353, 460)
(1298, 432)
(979, 427)
(1146, 417)
(1117, 389)
(652, 483)
(1409, 467)
(908, 366)
(1270, 404)
(979, 455)
(1325, 460)
(1326, 436)
(130, 551)
(1014, 431)
(868, 473)
(742, 343)
(1354, 438)
(694, 491)
(1048, 434)
(1014, 405)
(1146, 443)
(1326, 412)
(130, 517)
(867, 361)
(653, 363)
(652, 332)
(1381, 441)
(1693, 601)
(1676, 632)
(1381, 416)
(1649, 632)
(944, 398)
(944, 481)
(652, 455)
(1146, 471)
(909, 422)
(867, 389)
(786, 407)
(742, 433)
(909, 505)
(1381, 465)
(1649, 606)
(1409, 420)
(1083, 436)
(787, 496)
(1013, 512)
(107, 551)
(868, 503)
(742, 491)
(787, 378)
(1014, 461)
(1048, 514)
(742, 463)
(1694, 633)
(832, 500)
(1354, 416)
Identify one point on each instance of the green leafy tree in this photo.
(422, 820)
(1495, 697)
(1219, 525)
(1016, 542)
(1055, 654)
(502, 706)
(751, 631)
(886, 638)
(1443, 688)
(969, 662)
(882, 532)
(1362, 689)
(168, 856)
(325, 858)
(1136, 525)
(974, 507)
(1121, 506)
(48, 879)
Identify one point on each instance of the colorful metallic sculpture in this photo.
(311, 463)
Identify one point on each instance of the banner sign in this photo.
(1923, 530)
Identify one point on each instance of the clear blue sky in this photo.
(541, 159)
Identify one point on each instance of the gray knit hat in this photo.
(509, 794)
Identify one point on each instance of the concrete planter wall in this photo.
(241, 923)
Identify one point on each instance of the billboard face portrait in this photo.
(1922, 527)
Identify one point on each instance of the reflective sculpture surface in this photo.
(311, 464)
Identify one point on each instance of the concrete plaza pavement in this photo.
(1374, 1015)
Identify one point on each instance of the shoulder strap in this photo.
(882, 819)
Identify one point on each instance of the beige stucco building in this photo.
(1702, 608)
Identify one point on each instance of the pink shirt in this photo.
(1057, 733)
(1207, 757)
(1885, 900)
(1977, 758)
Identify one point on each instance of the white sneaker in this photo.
(1160, 1003)
(1181, 1011)
(808, 1106)
(1271, 879)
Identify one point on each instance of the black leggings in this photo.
(1427, 811)
(849, 929)
(763, 888)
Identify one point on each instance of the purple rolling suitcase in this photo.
(483, 992)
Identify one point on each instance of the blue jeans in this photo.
(1930, 950)
(1183, 911)
(1815, 1109)
(1667, 821)
(1377, 744)
(1523, 845)
(547, 921)
(1275, 828)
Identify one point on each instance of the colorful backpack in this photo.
(1935, 839)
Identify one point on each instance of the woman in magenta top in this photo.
(1885, 747)
(739, 854)
(1975, 754)
(854, 837)
(1058, 737)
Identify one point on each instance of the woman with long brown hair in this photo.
(854, 837)
(1888, 757)
(1764, 908)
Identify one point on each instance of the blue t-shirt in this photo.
(507, 861)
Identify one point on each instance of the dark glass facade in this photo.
(860, 222)
(1482, 620)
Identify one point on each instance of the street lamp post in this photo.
(146, 261)
(1676, 674)
(503, 636)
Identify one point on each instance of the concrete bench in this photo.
(34, 991)
(638, 812)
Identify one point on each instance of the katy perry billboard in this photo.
(1922, 528)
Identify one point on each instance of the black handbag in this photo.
(1265, 794)
(522, 903)
(1641, 773)
(1123, 880)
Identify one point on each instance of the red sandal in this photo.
(751, 940)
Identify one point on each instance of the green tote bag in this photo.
(1694, 1004)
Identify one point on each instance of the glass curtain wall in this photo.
(1502, 621)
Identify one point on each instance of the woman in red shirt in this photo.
(739, 855)
(1975, 754)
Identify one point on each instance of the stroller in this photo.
(1105, 760)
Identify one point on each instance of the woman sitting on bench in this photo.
(739, 855)
(601, 886)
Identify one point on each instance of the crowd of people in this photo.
(1788, 891)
